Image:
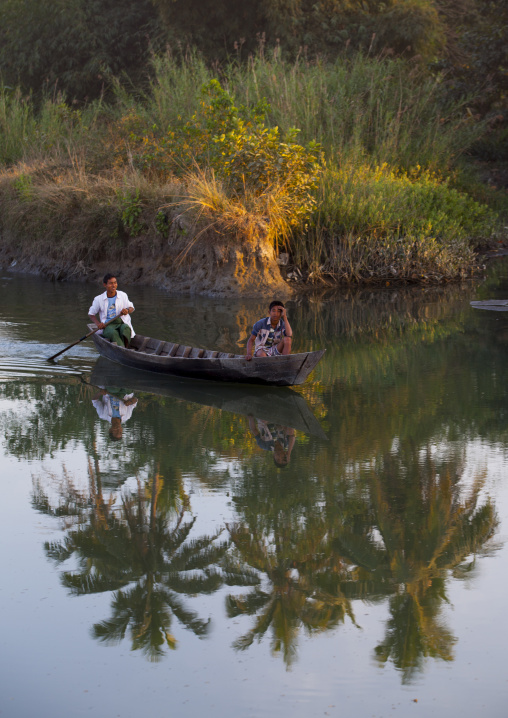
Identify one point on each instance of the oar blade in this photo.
(69, 347)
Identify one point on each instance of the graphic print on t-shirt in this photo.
(111, 308)
(270, 337)
(115, 407)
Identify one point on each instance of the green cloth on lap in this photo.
(116, 332)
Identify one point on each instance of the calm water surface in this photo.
(335, 550)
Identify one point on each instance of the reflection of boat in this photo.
(278, 406)
(170, 358)
(495, 305)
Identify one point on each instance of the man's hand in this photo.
(125, 311)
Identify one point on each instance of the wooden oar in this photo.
(85, 337)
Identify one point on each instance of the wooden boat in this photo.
(180, 360)
(282, 406)
(494, 305)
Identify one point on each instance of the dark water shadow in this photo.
(277, 405)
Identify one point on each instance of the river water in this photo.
(334, 550)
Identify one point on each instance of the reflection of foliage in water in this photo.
(426, 530)
(283, 533)
(368, 334)
(291, 560)
(400, 528)
(142, 550)
(178, 436)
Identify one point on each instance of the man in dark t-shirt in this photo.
(272, 335)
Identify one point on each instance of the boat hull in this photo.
(153, 355)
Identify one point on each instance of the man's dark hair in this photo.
(107, 277)
(281, 464)
(275, 303)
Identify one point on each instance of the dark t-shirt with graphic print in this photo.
(266, 335)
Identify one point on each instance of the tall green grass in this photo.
(28, 132)
(388, 109)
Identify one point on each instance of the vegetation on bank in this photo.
(352, 168)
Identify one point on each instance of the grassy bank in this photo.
(370, 187)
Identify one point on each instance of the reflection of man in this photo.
(276, 438)
(116, 406)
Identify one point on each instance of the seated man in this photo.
(272, 335)
(111, 304)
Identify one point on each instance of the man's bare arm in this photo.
(250, 346)
(98, 324)
(289, 331)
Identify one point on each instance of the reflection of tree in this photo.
(398, 529)
(284, 535)
(142, 550)
(290, 562)
(424, 532)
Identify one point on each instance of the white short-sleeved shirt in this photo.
(100, 306)
(105, 410)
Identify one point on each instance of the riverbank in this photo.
(156, 234)
(65, 226)
(182, 238)
(201, 187)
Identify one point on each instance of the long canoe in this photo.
(494, 305)
(180, 360)
(281, 406)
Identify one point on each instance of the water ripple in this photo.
(16, 367)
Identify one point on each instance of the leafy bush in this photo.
(23, 184)
(130, 211)
(403, 224)
(381, 202)
(235, 143)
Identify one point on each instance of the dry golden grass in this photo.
(245, 217)
(65, 212)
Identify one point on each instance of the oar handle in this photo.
(110, 321)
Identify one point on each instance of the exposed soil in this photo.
(208, 268)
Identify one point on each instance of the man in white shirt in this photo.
(113, 303)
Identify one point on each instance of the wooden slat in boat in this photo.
(181, 360)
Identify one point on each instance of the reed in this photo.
(388, 108)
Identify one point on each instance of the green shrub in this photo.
(131, 208)
(382, 202)
(395, 222)
(235, 143)
(23, 184)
